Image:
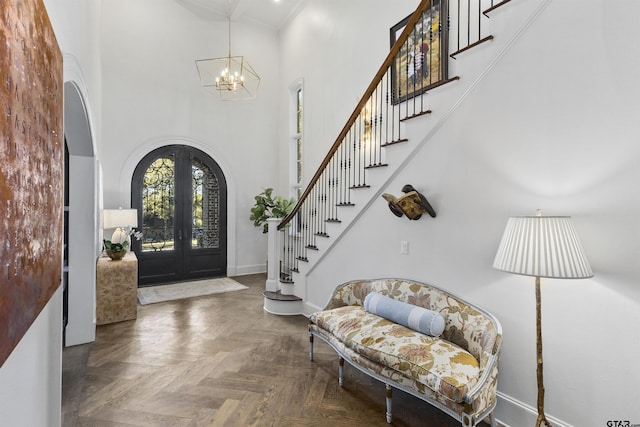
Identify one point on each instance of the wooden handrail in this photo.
(395, 49)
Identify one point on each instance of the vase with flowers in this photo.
(117, 250)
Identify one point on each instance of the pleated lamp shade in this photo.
(542, 246)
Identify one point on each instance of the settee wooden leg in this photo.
(311, 347)
(389, 413)
(341, 372)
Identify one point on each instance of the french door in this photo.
(180, 194)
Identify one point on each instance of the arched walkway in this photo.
(81, 224)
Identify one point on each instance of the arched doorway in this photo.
(181, 196)
(81, 217)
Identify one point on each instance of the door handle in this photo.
(180, 234)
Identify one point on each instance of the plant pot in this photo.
(116, 251)
(116, 256)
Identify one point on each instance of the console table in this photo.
(116, 289)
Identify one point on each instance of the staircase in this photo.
(399, 112)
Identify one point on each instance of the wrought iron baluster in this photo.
(380, 116)
(468, 22)
(333, 198)
(363, 152)
(479, 19)
(387, 100)
(359, 158)
(313, 213)
(415, 76)
(458, 25)
(350, 168)
(327, 196)
(406, 104)
(372, 128)
(320, 206)
(345, 171)
(355, 153)
(307, 215)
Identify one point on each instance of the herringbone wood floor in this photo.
(220, 360)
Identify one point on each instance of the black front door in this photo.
(180, 194)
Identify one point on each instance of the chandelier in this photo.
(231, 76)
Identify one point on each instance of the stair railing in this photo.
(394, 95)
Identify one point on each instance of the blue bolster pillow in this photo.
(411, 316)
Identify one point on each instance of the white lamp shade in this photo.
(542, 246)
(114, 218)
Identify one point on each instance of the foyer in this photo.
(220, 360)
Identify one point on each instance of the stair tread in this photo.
(413, 116)
(494, 7)
(277, 296)
(398, 141)
(471, 46)
(377, 165)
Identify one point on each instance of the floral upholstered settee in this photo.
(456, 371)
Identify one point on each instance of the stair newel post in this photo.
(273, 256)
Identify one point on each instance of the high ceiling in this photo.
(271, 13)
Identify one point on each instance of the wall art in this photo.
(31, 175)
(422, 61)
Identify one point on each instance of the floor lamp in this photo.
(542, 246)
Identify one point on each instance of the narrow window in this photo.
(297, 141)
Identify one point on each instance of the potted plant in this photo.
(267, 206)
(117, 251)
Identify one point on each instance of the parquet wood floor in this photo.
(220, 360)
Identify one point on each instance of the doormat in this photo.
(176, 291)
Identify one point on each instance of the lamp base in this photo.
(542, 419)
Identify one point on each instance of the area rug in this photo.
(176, 291)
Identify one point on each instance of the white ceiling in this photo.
(271, 13)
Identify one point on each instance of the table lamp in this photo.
(120, 219)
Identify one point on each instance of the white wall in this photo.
(30, 379)
(153, 97)
(553, 126)
(76, 24)
(81, 327)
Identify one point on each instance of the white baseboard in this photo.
(511, 412)
(244, 270)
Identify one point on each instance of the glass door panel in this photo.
(158, 205)
(205, 214)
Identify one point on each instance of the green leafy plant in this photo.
(267, 206)
(116, 247)
(116, 250)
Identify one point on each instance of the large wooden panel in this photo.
(31, 176)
